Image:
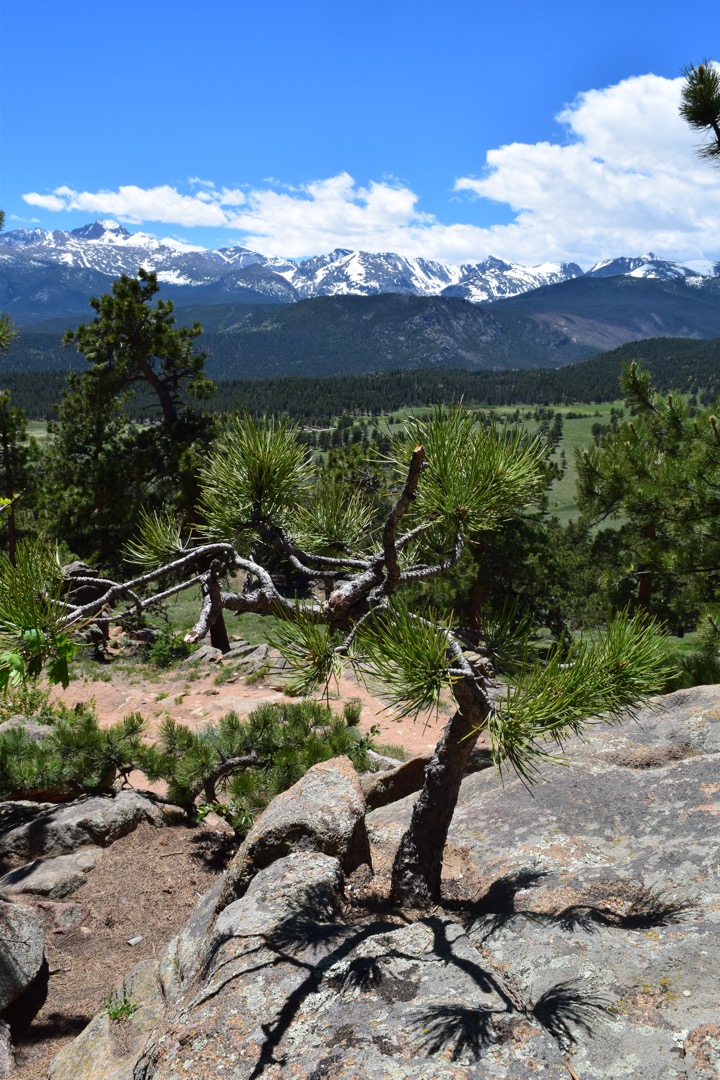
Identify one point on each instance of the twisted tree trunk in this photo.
(417, 869)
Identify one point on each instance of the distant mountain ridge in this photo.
(43, 273)
(551, 327)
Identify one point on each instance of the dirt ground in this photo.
(146, 884)
(199, 696)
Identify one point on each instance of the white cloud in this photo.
(624, 179)
(136, 205)
(627, 179)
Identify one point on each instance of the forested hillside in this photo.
(675, 364)
(551, 327)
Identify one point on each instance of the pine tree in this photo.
(106, 465)
(700, 105)
(451, 481)
(133, 340)
(658, 474)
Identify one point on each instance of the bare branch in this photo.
(395, 516)
(422, 573)
(119, 589)
(279, 539)
(149, 602)
(230, 765)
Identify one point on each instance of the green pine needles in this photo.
(237, 766)
(594, 681)
(234, 767)
(31, 631)
(257, 469)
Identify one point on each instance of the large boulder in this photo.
(324, 811)
(23, 967)
(54, 830)
(53, 878)
(581, 939)
(197, 972)
(282, 988)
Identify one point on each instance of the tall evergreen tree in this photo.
(107, 466)
(658, 474)
(133, 340)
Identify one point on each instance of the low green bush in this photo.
(169, 649)
(238, 766)
(234, 767)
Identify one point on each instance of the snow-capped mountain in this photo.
(239, 274)
(645, 266)
(367, 274)
(493, 278)
(108, 248)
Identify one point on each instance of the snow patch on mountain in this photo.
(644, 266)
(107, 247)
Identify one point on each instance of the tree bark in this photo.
(218, 634)
(645, 588)
(417, 869)
(212, 595)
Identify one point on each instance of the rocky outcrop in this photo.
(599, 897)
(23, 968)
(31, 892)
(53, 878)
(586, 945)
(48, 829)
(324, 811)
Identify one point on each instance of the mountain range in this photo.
(351, 311)
(44, 274)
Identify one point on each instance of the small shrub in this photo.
(27, 699)
(169, 649)
(119, 1006)
(76, 755)
(352, 711)
(282, 740)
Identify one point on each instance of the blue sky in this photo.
(531, 131)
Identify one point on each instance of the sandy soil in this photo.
(203, 699)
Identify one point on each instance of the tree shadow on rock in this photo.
(565, 1009)
(364, 973)
(465, 1031)
(625, 906)
(499, 904)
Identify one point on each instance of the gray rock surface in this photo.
(23, 968)
(281, 988)
(7, 1053)
(601, 890)
(589, 948)
(324, 811)
(49, 829)
(34, 730)
(53, 877)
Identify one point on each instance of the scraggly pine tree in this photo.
(452, 480)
